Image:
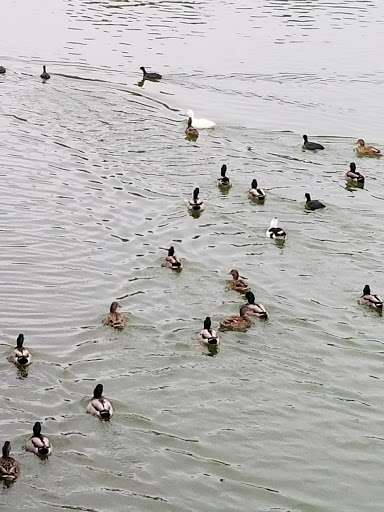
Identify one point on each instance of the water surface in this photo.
(94, 175)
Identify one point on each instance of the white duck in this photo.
(274, 231)
(200, 124)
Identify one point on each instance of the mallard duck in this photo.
(195, 203)
(253, 308)
(312, 146)
(208, 335)
(256, 193)
(172, 261)
(115, 319)
(2, 70)
(99, 406)
(274, 231)
(237, 322)
(20, 354)
(190, 131)
(371, 299)
(150, 76)
(9, 467)
(313, 204)
(223, 181)
(44, 75)
(362, 149)
(38, 443)
(353, 175)
(237, 284)
(200, 124)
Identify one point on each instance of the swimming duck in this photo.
(223, 181)
(2, 70)
(44, 75)
(20, 354)
(362, 149)
(353, 175)
(371, 299)
(313, 204)
(274, 231)
(237, 284)
(196, 204)
(253, 308)
(256, 193)
(190, 131)
(38, 443)
(9, 467)
(99, 406)
(172, 261)
(150, 76)
(208, 335)
(312, 146)
(237, 322)
(115, 319)
(200, 124)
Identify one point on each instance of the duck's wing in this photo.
(9, 468)
(372, 149)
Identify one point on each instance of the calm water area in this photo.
(95, 171)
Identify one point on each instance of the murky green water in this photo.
(94, 174)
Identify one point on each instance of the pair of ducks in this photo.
(361, 148)
(197, 205)
(44, 75)
(37, 443)
(209, 337)
(196, 124)
(242, 321)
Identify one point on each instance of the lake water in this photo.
(94, 174)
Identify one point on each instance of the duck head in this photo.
(114, 307)
(234, 273)
(360, 142)
(20, 341)
(6, 449)
(305, 138)
(250, 297)
(367, 290)
(308, 197)
(98, 391)
(196, 194)
(171, 251)
(223, 170)
(37, 429)
(352, 166)
(254, 183)
(189, 122)
(207, 323)
(274, 223)
(143, 69)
